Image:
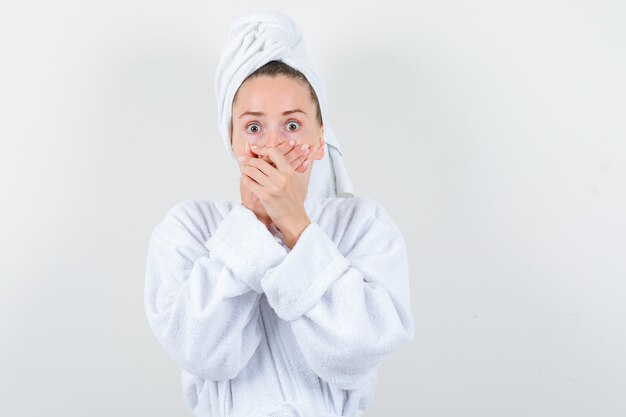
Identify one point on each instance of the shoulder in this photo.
(197, 209)
(357, 219)
(354, 210)
(194, 217)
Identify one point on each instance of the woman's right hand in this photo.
(294, 154)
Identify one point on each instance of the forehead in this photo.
(269, 93)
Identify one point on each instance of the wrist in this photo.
(291, 230)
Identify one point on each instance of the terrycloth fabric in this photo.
(260, 330)
(254, 39)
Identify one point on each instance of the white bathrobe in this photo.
(261, 330)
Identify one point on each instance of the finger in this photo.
(249, 152)
(299, 150)
(279, 160)
(255, 174)
(266, 167)
(251, 184)
(286, 146)
(295, 150)
(306, 156)
(252, 149)
(272, 156)
(291, 149)
(297, 154)
(254, 161)
(297, 163)
(308, 163)
(275, 156)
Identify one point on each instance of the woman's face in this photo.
(263, 114)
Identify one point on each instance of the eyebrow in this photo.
(258, 113)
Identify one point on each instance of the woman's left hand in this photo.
(281, 189)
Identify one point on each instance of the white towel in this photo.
(254, 39)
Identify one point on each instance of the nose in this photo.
(272, 139)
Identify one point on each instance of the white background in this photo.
(493, 132)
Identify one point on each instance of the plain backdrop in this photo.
(493, 132)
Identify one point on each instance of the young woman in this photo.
(286, 302)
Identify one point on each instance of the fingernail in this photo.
(241, 158)
(306, 162)
(253, 146)
(304, 146)
(292, 142)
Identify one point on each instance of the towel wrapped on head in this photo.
(255, 39)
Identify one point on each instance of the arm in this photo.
(347, 312)
(201, 297)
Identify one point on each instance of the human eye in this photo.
(254, 124)
(291, 123)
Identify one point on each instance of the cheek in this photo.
(243, 137)
(251, 138)
(239, 144)
(303, 133)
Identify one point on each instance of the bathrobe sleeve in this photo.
(202, 292)
(347, 307)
